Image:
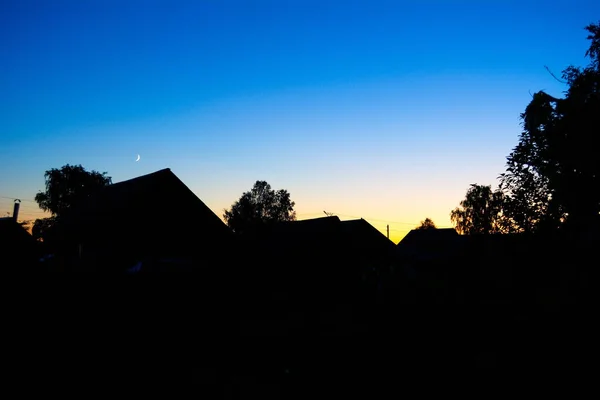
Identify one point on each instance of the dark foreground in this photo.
(225, 337)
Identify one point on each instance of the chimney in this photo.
(16, 209)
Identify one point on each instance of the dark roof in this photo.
(306, 235)
(330, 235)
(429, 243)
(16, 244)
(151, 208)
(12, 232)
(417, 237)
(323, 225)
(363, 236)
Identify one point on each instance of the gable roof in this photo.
(322, 225)
(12, 232)
(418, 237)
(437, 242)
(329, 236)
(153, 206)
(365, 237)
(16, 244)
(304, 235)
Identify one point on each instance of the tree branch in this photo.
(554, 76)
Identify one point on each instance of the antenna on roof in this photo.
(329, 214)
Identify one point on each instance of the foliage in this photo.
(481, 212)
(427, 223)
(42, 228)
(67, 186)
(259, 207)
(553, 174)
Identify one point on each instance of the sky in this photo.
(382, 110)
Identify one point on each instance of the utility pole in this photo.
(388, 231)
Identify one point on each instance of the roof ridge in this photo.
(160, 171)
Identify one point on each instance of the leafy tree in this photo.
(259, 207)
(42, 228)
(65, 187)
(553, 174)
(427, 223)
(481, 212)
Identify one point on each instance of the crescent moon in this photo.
(138, 158)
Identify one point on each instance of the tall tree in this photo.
(427, 223)
(65, 187)
(259, 207)
(481, 212)
(553, 174)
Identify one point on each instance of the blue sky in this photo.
(382, 110)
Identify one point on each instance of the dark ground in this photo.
(223, 338)
(520, 319)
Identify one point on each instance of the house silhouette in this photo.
(18, 249)
(148, 218)
(322, 256)
(427, 245)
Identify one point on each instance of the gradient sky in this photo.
(373, 109)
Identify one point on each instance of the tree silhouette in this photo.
(427, 223)
(481, 212)
(42, 228)
(65, 187)
(258, 208)
(553, 174)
